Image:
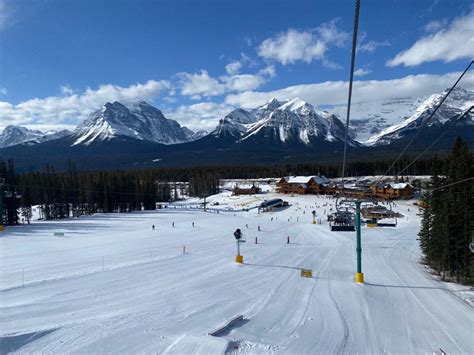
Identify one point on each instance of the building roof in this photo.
(400, 185)
(245, 186)
(322, 180)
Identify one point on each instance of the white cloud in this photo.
(6, 14)
(204, 115)
(448, 44)
(200, 84)
(371, 46)
(233, 67)
(293, 46)
(243, 82)
(362, 72)
(3, 91)
(268, 71)
(330, 34)
(72, 109)
(334, 93)
(435, 25)
(66, 90)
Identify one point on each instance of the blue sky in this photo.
(196, 60)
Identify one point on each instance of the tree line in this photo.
(73, 193)
(448, 216)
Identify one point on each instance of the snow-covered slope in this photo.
(13, 135)
(112, 285)
(294, 121)
(140, 121)
(459, 100)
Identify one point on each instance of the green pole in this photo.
(359, 247)
(359, 274)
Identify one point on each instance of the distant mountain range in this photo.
(139, 135)
(13, 135)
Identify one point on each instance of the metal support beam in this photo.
(359, 275)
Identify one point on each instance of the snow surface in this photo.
(113, 285)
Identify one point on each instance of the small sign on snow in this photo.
(306, 273)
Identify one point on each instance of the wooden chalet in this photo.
(393, 191)
(245, 190)
(378, 212)
(301, 185)
(316, 185)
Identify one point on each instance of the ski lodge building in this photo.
(393, 191)
(245, 190)
(302, 185)
(316, 185)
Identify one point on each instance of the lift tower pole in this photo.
(359, 275)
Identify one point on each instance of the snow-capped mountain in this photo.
(140, 121)
(293, 121)
(458, 101)
(370, 117)
(192, 136)
(13, 135)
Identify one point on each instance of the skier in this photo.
(258, 230)
(193, 224)
(247, 225)
(172, 224)
(153, 227)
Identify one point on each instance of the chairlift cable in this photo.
(452, 184)
(423, 126)
(351, 79)
(459, 118)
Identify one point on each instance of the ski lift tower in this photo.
(204, 196)
(359, 276)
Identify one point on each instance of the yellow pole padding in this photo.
(239, 259)
(360, 277)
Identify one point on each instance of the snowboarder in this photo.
(259, 228)
(172, 224)
(193, 224)
(153, 227)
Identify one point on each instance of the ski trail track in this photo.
(148, 297)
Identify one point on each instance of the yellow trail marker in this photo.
(359, 277)
(239, 259)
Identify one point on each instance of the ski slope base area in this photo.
(111, 284)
